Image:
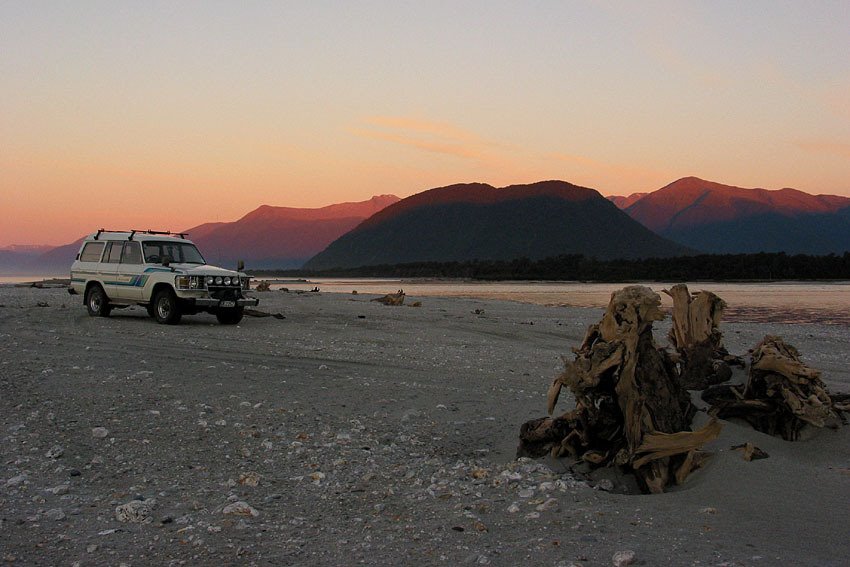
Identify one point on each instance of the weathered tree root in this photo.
(631, 410)
(695, 334)
(782, 395)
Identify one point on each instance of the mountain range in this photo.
(267, 237)
(715, 218)
(281, 237)
(478, 221)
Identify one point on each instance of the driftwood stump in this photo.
(695, 334)
(631, 410)
(781, 396)
(392, 298)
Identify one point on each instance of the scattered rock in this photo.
(55, 452)
(136, 511)
(16, 480)
(623, 558)
(240, 509)
(99, 432)
(549, 504)
(249, 479)
(55, 514)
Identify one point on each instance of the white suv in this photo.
(163, 271)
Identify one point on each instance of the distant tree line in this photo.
(711, 267)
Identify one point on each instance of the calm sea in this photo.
(785, 302)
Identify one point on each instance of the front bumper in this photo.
(212, 302)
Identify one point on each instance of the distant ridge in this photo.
(281, 237)
(478, 221)
(625, 201)
(716, 218)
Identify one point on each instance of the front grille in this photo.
(222, 292)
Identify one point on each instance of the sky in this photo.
(165, 115)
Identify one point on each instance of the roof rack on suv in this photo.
(133, 233)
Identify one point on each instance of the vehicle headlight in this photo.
(189, 282)
(218, 280)
(210, 280)
(227, 280)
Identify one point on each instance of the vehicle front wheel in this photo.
(166, 308)
(230, 316)
(97, 303)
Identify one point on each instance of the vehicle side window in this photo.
(113, 253)
(132, 253)
(152, 253)
(92, 252)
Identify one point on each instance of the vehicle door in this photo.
(131, 271)
(108, 270)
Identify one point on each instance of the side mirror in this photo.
(240, 266)
(166, 260)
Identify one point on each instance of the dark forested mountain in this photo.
(478, 221)
(281, 237)
(717, 218)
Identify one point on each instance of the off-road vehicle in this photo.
(162, 271)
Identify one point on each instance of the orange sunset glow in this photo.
(166, 116)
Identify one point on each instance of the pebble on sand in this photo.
(623, 558)
(99, 432)
(135, 511)
(240, 509)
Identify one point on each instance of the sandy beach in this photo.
(350, 432)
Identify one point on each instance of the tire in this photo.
(230, 316)
(151, 310)
(166, 308)
(97, 303)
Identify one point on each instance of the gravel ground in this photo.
(355, 433)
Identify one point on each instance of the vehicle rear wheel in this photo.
(166, 308)
(97, 303)
(230, 316)
(151, 310)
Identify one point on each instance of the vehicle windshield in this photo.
(179, 252)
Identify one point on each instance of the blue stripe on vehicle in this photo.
(135, 281)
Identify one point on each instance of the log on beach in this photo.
(396, 298)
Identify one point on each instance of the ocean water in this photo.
(784, 302)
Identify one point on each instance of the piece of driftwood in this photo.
(392, 298)
(750, 452)
(695, 334)
(781, 396)
(631, 409)
(257, 313)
